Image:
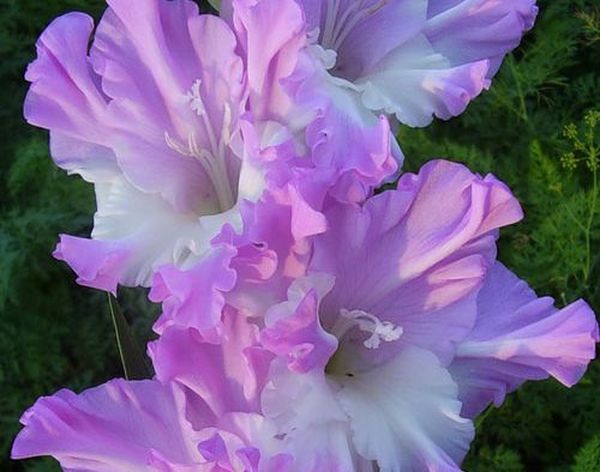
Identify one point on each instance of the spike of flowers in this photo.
(377, 344)
(307, 324)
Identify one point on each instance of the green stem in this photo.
(117, 336)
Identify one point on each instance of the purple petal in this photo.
(228, 376)
(519, 337)
(194, 298)
(65, 98)
(356, 169)
(117, 426)
(467, 31)
(97, 264)
(410, 255)
(379, 27)
(415, 83)
(214, 450)
(267, 235)
(271, 33)
(252, 444)
(293, 330)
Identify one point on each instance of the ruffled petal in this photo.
(293, 330)
(349, 174)
(467, 31)
(415, 83)
(228, 376)
(97, 264)
(405, 415)
(175, 101)
(519, 337)
(120, 425)
(65, 98)
(270, 256)
(195, 298)
(409, 256)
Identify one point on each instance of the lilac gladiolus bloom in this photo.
(370, 345)
(152, 117)
(412, 59)
(394, 328)
(404, 327)
(307, 324)
(162, 116)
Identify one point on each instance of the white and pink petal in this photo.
(405, 415)
(65, 97)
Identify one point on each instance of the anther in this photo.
(380, 330)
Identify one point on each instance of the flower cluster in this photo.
(309, 323)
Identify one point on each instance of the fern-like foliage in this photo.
(588, 458)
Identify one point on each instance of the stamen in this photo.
(380, 330)
(213, 157)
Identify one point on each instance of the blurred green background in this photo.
(538, 129)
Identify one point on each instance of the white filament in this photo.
(212, 157)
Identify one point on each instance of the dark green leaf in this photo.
(132, 357)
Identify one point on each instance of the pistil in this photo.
(379, 330)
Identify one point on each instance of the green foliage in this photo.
(588, 458)
(497, 459)
(537, 128)
(53, 332)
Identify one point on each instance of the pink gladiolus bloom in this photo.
(163, 117)
(412, 59)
